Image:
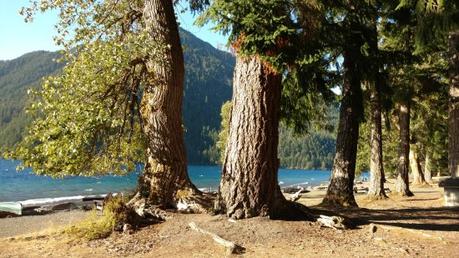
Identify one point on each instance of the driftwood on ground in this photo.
(296, 196)
(231, 247)
(334, 222)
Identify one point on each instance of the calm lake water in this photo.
(24, 185)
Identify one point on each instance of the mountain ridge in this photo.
(208, 79)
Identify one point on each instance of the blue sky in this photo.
(18, 37)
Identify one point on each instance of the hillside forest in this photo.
(208, 78)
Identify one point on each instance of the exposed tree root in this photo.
(145, 210)
(193, 201)
(141, 212)
(231, 248)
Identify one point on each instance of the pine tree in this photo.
(264, 36)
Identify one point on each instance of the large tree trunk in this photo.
(453, 133)
(340, 191)
(376, 187)
(428, 168)
(402, 185)
(416, 170)
(164, 182)
(249, 184)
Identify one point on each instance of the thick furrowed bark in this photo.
(402, 185)
(249, 184)
(376, 187)
(453, 132)
(164, 182)
(340, 191)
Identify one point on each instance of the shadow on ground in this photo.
(435, 219)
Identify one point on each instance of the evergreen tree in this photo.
(265, 37)
(438, 25)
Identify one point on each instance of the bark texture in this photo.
(428, 168)
(402, 185)
(340, 191)
(453, 133)
(376, 187)
(415, 165)
(165, 181)
(249, 184)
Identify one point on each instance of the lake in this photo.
(24, 185)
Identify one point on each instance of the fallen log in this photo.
(231, 248)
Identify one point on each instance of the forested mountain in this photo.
(208, 79)
(208, 85)
(315, 150)
(16, 77)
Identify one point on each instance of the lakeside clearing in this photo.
(405, 227)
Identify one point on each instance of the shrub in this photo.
(97, 226)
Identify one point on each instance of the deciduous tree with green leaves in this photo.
(117, 102)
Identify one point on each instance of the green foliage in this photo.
(80, 116)
(224, 132)
(208, 79)
(435, 19)
(207, 86)
(263, 28)
(216, 151)
(96, 226)
(86, 120)
(16, 77)
(423, 82)
(315, 150)
(286, 35)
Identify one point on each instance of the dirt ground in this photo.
(405, 227)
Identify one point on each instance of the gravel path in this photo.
(10, 227)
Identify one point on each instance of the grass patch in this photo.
(96, 225)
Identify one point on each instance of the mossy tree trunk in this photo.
(402, 185)
(164, 182)
(249, 185)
